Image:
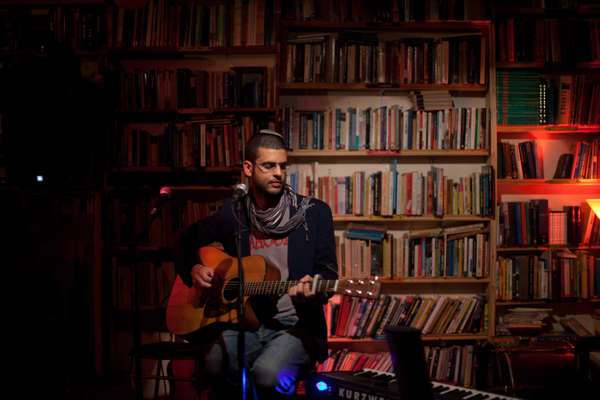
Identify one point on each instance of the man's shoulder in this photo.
(226, 209)
(315, 203)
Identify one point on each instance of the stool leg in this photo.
(171, 380)
(157, 378)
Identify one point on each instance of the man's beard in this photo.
(272, 198)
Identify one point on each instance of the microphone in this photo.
(164, 195)
(239, 191)
(166, 192)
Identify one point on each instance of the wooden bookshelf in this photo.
(339, 158)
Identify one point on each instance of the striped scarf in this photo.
(269, 221)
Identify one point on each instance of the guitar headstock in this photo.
(359, 287)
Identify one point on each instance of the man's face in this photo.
(268, 172)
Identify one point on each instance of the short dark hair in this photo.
(267, 139)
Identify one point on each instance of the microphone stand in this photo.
(241, 342)
(135, 294)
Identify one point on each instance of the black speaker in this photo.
(408, 358)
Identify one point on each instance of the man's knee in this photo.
(214, 362)
(278, 380)
(265, 376)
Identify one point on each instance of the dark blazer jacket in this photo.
(309, 252)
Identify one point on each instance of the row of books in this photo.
(171, 24)
(170, 90)
(530, 98)
(79, 28)
(527, 38)
(461, 251)
(527, 97)
(154, 293)
(356, 57)
(545, 276)
(386, 128)
(382, 11)
(129, 215)
(450, 364)
(532, 223)
(582, 163)
(389, 193)
(358, 317)
(190, 145)
(586, 100)
(520, 160)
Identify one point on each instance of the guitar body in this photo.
(190, 309)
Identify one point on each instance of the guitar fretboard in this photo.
(281, 287)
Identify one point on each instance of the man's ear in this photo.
(247, 168)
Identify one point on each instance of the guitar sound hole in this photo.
(231, 290)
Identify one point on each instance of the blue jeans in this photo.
(273, 356)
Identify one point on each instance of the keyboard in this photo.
(376, 385)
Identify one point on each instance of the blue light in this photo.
(322, 386)
(39, 178)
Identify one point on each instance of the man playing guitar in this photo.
(294, 234)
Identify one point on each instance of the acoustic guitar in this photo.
(194, 310)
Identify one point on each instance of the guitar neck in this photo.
(281, 287)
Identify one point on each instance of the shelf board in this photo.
(379, 87)
(438, 280)
(556, 128)
(520, 65)
(407, 218)
(48, 3)
(245, 110)
(161, 52)
(568, 12)
(549, 181)
(142, 253)
(426, 338)
(546, 302)
(549, 186)
(167, 169)
(518, 10)
(588, 64)
(515, 249)
(378, 154)
(229, 50)
(140, 249)
(195, 111)
(412, 26)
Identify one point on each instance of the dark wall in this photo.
(54, 119)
